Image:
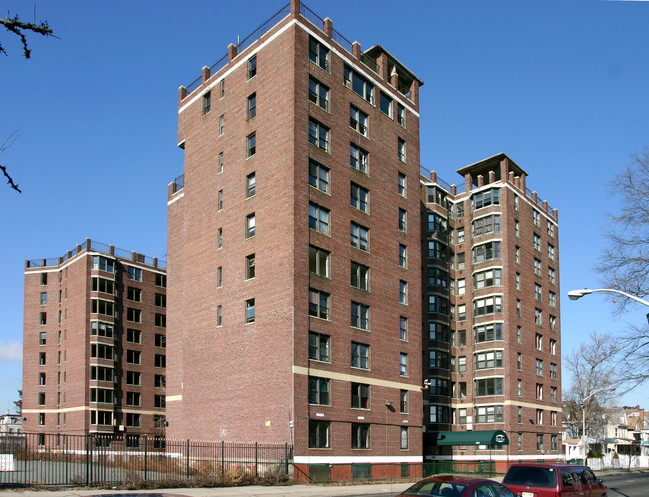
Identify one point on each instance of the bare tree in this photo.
(8, 143)
(21, 29)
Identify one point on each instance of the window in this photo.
(360, 236)
(43, 298)
(517, 255)
(318, 391)
(439, 414)
(207, 102)
(97, 306)
(553, 371)
(319, 346)
(461, 338)
(358, 158)
(220, 162)
(160, 300)
(386, 105)
(550, 229)
(103, 264)
(252, 105)
(360, 436)
(438, 277)
(518, 308)
(438, 332)
(401, 150)
(401, 184)
(318, 176)
(318, 434)
(437, 250)
(133, 356)
(539, 341)
(251, 184)
(539, 417)
(360, 396)
(537, 267)
(360, 276)
(403, 255)
(489, 305)
(44, 276)
(133, 378)
(553, 394)
(133, 315)
(221, 124)
(552, 299)
(132, 420)
(488, 386)
(486, 252)
(438, 359)
(517, 231)
(358, 120)
(250, 266)
(538, 291)
(489, 414)
(519, 361)
(519, 388)
(318, 93)
(520, 416)
(41, 398)
(133, 399)
(41, 378)
(553, 348)
(360, 355)
(219, 315)
(489, 360)
(538, 317)
(222, 89)
(319, 218)
(252, 67)
(161, 280)
(491, 277)
(460, 235)
(360, 316)
(42, 340)
(401, 115)
(134, 273)
(437, 304)
(359, 84)
(486, 198)
(319, 135)
(487, 224)
(251, 145)
(318, 304)
(403, 401)
(219, 277)
(250, 225)
(550, 252)
(359, 197)
(319, 55)
(403, 364)
(461, 364)
(403, 328)
(42, 359)
(319, 261)
(461, 312)
(160, 320)
(250, 311)
(554, 442)
(461, 416)
(403, 220)
(539, 367)
(553, 418)
(159, 401)
(536, 218)
(488, 332)
(439, 386)
(134, 294)
(133, 336)
(553, 323)
(537, 242)
(219, 238)
(551, 275)
(539, 391)
(159, 381)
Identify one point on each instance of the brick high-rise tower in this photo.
(294, 249)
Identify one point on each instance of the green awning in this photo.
(487, 437)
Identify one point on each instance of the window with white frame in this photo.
(360, 316)
(359, 84)
(360, 236)
(319, 261)
(318, 176)
(319, 135)
(358, 120)
(359, 197)
(488, 360)
(358, 158)
(319, 53)
(318, 93)
(318, 218)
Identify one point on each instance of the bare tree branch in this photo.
(14, 25)
(9, 141)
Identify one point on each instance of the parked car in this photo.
(457, 486)
(553, 480)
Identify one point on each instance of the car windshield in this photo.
(531, 476)
(441, 488)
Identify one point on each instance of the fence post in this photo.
(256, 460)
(286, 458)
(222, 458)
(145, 457)
(88, 451)
(187, 458)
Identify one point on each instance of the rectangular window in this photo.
(319, 135)
(133, 356)
(437, 250)
(539, 341)
(438, 332)
(486, 198)
(251, 145)
(41, 398)
(134, 273)
(319, 55)
(358, 120)
(133, 336)
(403, 220)
(133, 399)
(488, 332)
(132, 420)
(161, 280)
(250, 225)
(553, 347)
(403, 364)
(219, 238)
(553, 370)
(133, 315)
(537, 267)
(553, 394)
(319, 346)
(461, 364)
(359, 197)
(550, 229)
(360, 276)
(487, 224)
(221, 162)
(438, 359)
(539, 367)
(538, 291)
(437, 223)
(98, 306)
(207, 102)
(488, 360)
(438, 414)
(401, 115)
(103, 264)
(219, 315)
(318, 93)
(551, 275)
(318, 176)
(403, 256)
(489, 305)
(252, 67)
(43, 299)
(318, 304)
(44, 277)
(360, 355)
(539, 417)
(160, 320)
(519, 361)
(159, 401)
(222, 88)
(537, 242)
(437, 304)
(401, 184)
(360, 396)
(318, 434)
(438, 277)
(250, 311)
(159, 381)
(160, 300)
(484, 279)
(360, 316)
(359, 84)
(358, 158)
(552, 299)
(360, 436)
(439, 386)
(403, 292)
(160, 340)
(488, 386)
(318, 391)
(133, 378)
(538, 317)
(250, 266)
(401, 150)
(403, 401)
(42, 340)
(489, 414)
(403, 328)
(252, 106)
(251, 185)
(386, 105)
(536, 218)
(319, 261)
(553, 323)
(42, 359)
(134, 294)
(360, 236)
(160, 361)
(221, 125)
(318, 218)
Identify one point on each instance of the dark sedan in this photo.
(458, 486)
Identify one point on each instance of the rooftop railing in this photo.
(178, 183)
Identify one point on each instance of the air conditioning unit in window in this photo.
(121, 428)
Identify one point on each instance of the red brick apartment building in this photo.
(294, 249)
(318, 282)
(94, 343)
(491, 315)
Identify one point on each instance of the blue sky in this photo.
(560, 86)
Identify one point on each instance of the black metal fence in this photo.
(92, 460)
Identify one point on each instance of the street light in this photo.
(584, 438)
(577, 294)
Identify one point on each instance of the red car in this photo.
(458, 486)
(553, 480)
